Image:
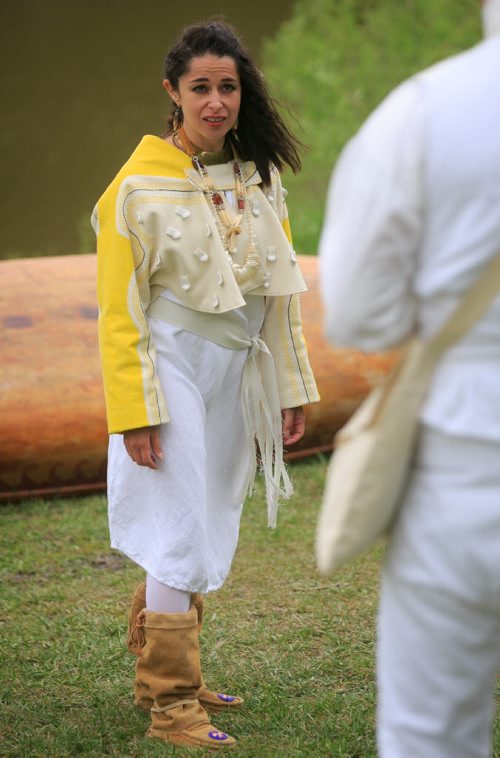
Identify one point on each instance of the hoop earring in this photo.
(177, 118)
(234, 131)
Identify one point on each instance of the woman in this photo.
(202, 354)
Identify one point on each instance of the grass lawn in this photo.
(298, 646)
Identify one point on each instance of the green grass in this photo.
(297, 646)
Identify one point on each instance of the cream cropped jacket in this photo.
(155, 230)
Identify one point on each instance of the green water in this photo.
(80, 83)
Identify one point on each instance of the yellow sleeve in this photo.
(282, 333)
(282, 330)
(133, 394)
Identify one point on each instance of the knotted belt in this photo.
(259, 393)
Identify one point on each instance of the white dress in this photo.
(181, 522)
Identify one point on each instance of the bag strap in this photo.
(473, 305)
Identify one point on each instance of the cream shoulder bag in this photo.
(373, 450)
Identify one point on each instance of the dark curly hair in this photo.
(263, 136)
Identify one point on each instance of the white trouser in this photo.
(439, 617)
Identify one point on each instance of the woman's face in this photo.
(209, 93)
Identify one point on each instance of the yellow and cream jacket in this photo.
(156, 230)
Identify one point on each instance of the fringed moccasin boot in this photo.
(213, 702)
(168, 668)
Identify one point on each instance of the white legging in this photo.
(164, 599)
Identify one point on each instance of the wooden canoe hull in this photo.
(52, 417)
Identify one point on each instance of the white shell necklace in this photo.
(228, 229)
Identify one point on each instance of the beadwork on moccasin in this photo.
(216, 735)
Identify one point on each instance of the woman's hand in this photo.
(293, 424)
(143, 446)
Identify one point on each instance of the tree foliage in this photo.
(333, 61)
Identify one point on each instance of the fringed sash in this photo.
(259, 393)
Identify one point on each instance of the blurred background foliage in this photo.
(81, 83)
(333, 62)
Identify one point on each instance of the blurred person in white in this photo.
(413, 216)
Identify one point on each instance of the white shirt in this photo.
(413, 214)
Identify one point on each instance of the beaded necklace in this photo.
(227, 228)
